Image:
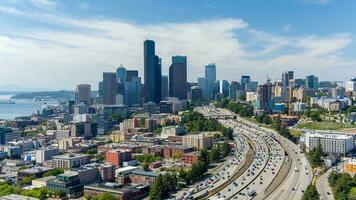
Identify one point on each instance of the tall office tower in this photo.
(210, 76)
(121, 74)
(178, 77)
(350, 85)
(110, 88)
(101, 88)
(83, 94)
(234, 87)
(165, 87)
(311, 82)
(223, 87)
(202, 84)
(286, 77)
(130, 74)
(133, 91)
(264, 98)
(245, 79)
(152, 72)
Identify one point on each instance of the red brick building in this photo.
(117, 157)
(190, 158)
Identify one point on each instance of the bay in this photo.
(20, 108)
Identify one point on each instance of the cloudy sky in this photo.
(58, 44)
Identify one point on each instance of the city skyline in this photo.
(97, 40)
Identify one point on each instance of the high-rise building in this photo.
(264, 98)
(202, 84)
(245, 79)
(223, 87)
(110, 88)
(234, 87)
(165, 87)
(210, 76)
(83, 94)
(178, 77)
(133, 91)
(351, 85)
(130, 74)
(196, 94)
(311, 82)
(152, 73)
(121, 74)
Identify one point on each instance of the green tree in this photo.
(107, 196)
(204, 156)
(53, 172)
(315, 155)
(214, 155)
(311, 193)
(225, 150)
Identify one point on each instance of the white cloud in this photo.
(44, 3)
(61, 58)
(84, 6)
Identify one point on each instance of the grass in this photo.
(325, 125)
(295, 132)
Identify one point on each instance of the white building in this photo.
(350, 85)
(336, 143)
(45, 154)
(171, 131)
(200, 141)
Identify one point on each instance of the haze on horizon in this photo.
(58, 44)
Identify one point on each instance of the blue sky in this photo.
(58, 44)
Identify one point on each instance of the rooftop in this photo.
(337, 136)
(145, 173)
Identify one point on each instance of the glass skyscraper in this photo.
(178, 77)
(152, 73)
(210, 76)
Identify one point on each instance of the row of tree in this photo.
(342, 185)
(164, 186)
(315, 155)
(41, 193)
(311, 193)
(196, 122)
(244, 110)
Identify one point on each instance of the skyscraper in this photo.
(202, 84)
(264, 98)
(178, 77)
(245, 79)
(152, 72)
(311, 82)
(210, 76)
(110, 88)
(234, 87)
(130, 74)
(224, 87)
(83, 94)
(165, 87)
(121, 74)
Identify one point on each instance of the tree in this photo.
(53, 172)
(107, 196)
(204, 156)
(311, 193)
(214, 155)
(225, 150)
(315, 155)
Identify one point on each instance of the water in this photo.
(21, 108)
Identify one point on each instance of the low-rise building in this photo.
(350, 165)
(190, 158)
(171, 131)
(36, 172)
(69, 161)
(200, 141)
(333, 143)
(69, 183)
(117, 156)
(119, 191)
(143, 177)
(46, 154)
(42, 182)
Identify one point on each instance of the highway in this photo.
(271, 151)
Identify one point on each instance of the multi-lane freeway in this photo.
(264, 165)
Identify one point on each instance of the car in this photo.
(328, 193)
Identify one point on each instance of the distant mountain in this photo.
(17, 88)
